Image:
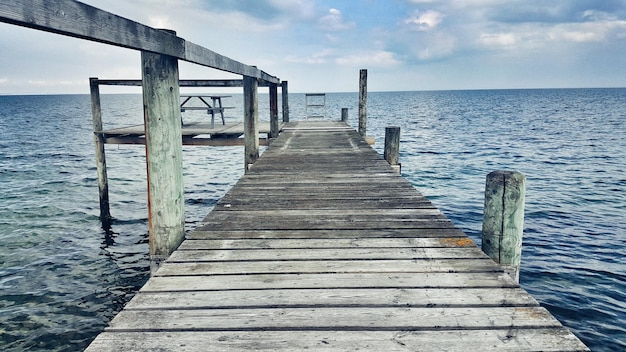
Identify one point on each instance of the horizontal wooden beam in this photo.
(183, 82)
(75, 19)
(210, 142)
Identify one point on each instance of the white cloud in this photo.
(424, 21)
(295, 8)
(374, 59)
(437, 46)
(333, 21)
(320, 57)
(498, 39)
(546, 37)
(588, 31)
(160, 22)
(39, 83)
(582, 36)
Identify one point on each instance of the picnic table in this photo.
(211, 108)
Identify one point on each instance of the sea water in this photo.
(62, 277)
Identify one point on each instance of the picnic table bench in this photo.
(211, 108)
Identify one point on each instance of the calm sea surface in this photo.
(62, 278)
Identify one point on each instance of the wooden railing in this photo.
(160, 52)
(75, 19)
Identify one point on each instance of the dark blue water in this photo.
(62, 277)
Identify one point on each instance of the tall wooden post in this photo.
(250, 120)
(161, 99)
(392, 147)
(273, 111)
(344, 115)
(284, 90)
(363, 102)
(503, 223)
(101, 163)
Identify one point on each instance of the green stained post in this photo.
(503, 222)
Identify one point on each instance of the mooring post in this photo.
(392, 147)
(101, 163)
(273, 111)
(161, 99)
(344, 115)
(363, 102)
(503, 222)
(284, 91)
(250, 120)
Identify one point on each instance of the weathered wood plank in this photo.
(321, 195)
(371, 187)
(307, 243)
(327, 254)
(509, 339)
(324, 266)
(231, 83)
(362, 190)
(313, 201)
(353, 178)
(351, 318)
(325, 234)
(405, 297)
(337, 280)
(182, 82)
(321, 224)
(406, 213)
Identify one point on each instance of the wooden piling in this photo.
(250, 120)
(344, 115)
(504, 219)
(273, 111)
(285, 96)
(101, 164)
(161, 99)
(392, 146)
(363, 102)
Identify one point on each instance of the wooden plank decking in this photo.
(322, 246)
(193, 133)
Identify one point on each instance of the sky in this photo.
(320, 45)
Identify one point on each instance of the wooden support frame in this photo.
(160, 52)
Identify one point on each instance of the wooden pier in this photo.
(323, 246)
